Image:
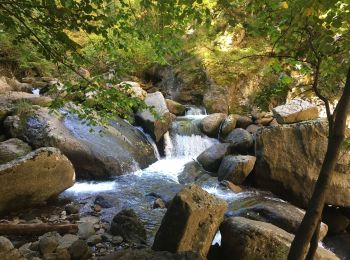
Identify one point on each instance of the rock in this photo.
(134, 89)
(336, 221)
(236, 168)
(191, 173)
(18, 86)
(281, 214)
(48, 245)
(4, 86)
(86, 229)
(210, 125)
(127, 225)
(241, 139)
(7, 250)
(159, 204)
(154, 126)
(274, 122)
(228, 125)
(119, 149)
(253, 129)
(243, 122)
(100, 200)
(12, 149)
(142, 254)
(190, 222)
(67, 240)
(296, 111)
(339, 244)
(94, 239)
(265, 121)
(175, 107)
(249, 239)
(232, 187)
(216, 100)
(11, 101)
(26, 252)
(289, 158)
(84, 72)
(211, 158)
(34, 178)
(72, 209)
(79, 250)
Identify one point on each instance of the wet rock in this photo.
(7, 250)
(281, 214)
(127, 225)
(243, 122)
(12, 149)
(211, 158)
(175, 107)
(210, 125)
(191, 172)
(94, 239)
(336, 221)
(229, 185)
(289, 158)
(228, 125)
(241, 139)
(72, 209)
(296, 111)
(159, 204)
(253, 129)
(48, 244)
(67, 240)
(190, 222)
(154, 126)
(34, 178)
(119, 149)
(142, 254)
(339, 244)
(79, 250)
(86, 229)
(249, 239)
(236, 168)
(26, 252)
(103, 202)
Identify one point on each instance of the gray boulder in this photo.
(211, 158)
(247, 239)
(236, 168)
(210, 125)
(175, 107)
(241, 139)
(34, 178)
(228, 125)
(156, 127)
(117, 150)
(12, 149)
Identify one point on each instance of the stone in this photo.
(228, 125)
(211, 158)
(247, 239)
(7, 250)
(265, 121)
(296, 111)
(48, 245)
(274, 122)
(85, 230)
(336, 221)
(241, 139)
(159, 204)
(253, 129)
(72, 209)
(67, 240)
(104, 203)
(94, 239)
(210, 125)
(142, 254)
(4, 86)
(279, 213)
(289, 158)
(34, 178)
(191, 172)
(156, 127)
(190, 222)
(79, 250)
(175, 107)
(243, 122)
(134, 89)
(120, 148)
(12, 149)
(16, 85)
(236, 168)
(339, 244)
(127, 225)
(232, 187)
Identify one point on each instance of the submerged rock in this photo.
(12, 149)
(156, 127)
(296, 111)
(34, 178)
(190, 222)
(247, 239)
(118, 149)
(289, 158)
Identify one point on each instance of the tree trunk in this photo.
(37, 229)
(313, 214)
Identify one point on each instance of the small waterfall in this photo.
(151, 141)
(195, 111)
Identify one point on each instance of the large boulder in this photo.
(190, 222)
(155, 126)
(228, 125)
(118, 149)
(210, 125)
(279, 213)
(8, 251)
(175, 107)
(134, 89)
(241, 139)
(34, 178)
(289, 158)
(142, 254)
(211, 158)
(236, 168)
(296, 111)
(12, 149)
(247, 239)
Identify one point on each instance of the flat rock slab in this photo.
(296, 111)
